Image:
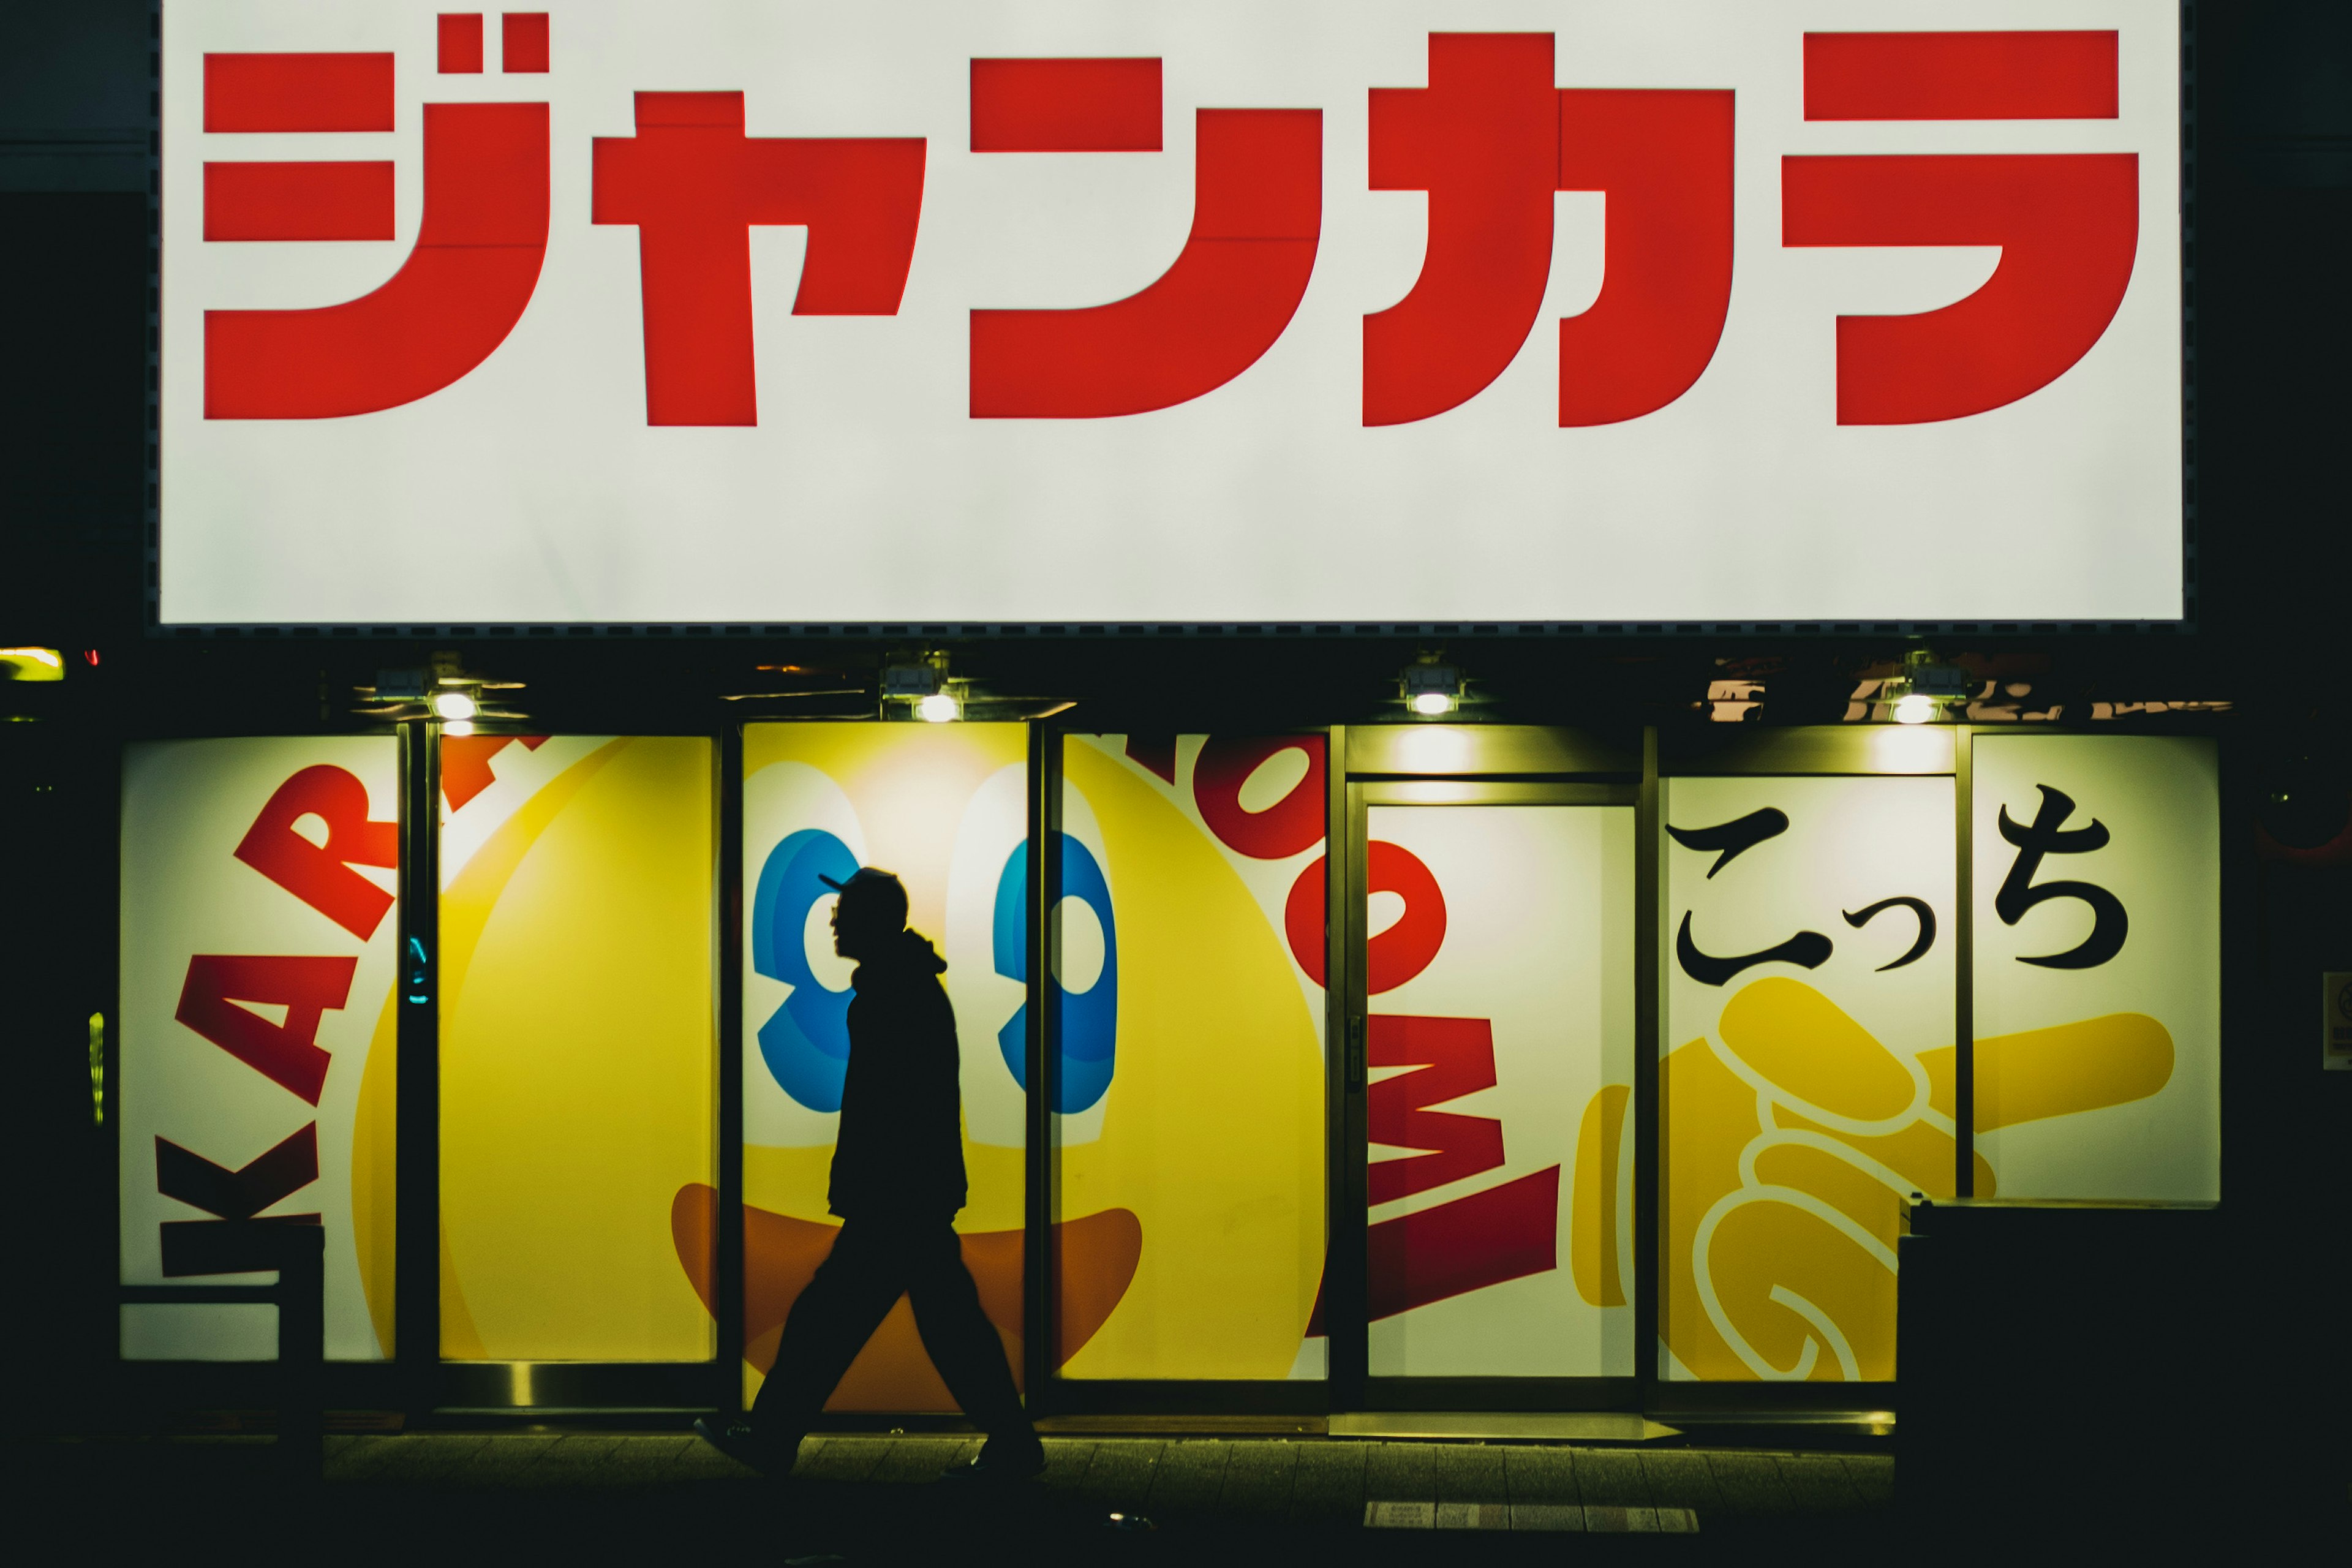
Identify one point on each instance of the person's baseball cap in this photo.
(871, 884)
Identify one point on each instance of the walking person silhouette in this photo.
(897, 1183)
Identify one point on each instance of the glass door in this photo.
(1492, 1038)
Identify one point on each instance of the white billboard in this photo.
(1256, 311)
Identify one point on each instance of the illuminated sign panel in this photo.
(1278, 312)
(259, 931)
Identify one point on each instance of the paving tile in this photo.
(502, 1461)
(640, 1460)
(914, 1461)
(1817, 1482)
(1119, 1474)
(1612, 1478)
(841, 1458)
(363, 1456)
(1328, 1484)
(1609, 1519)
(1401, 1472)
(1751, 1483)
(1680, 1479)
(1547, 1516)
(1474, 1516)
(1258, 1478)
(1541, 1477)
(572, 1459)
(581, 1450)
(1068, 1459)
(1189, 1477)
(1470, 1473)
(1872, 1476)
(698, 1461)
(437, 1459)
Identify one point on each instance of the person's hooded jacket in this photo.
(900, 1153)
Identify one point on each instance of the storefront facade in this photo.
(1565, 654)
(1574, 1097)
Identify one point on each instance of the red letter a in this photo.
(286, 1053)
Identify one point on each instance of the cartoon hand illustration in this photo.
(1791, 1135)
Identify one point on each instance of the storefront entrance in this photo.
(1485, 1210)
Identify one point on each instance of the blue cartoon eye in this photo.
(1089, 1017)
(805, 1043)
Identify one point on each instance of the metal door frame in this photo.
(1468, 765)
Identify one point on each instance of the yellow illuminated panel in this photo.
(1189, 1137)
(578, 1049)
(946, 808)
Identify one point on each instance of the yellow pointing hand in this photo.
(1792, 1134)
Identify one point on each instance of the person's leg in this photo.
(855, 1288)
(964, 1344)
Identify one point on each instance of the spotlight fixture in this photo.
(920, 681)
(1925, 689)
(1430, 690)
(445, 691)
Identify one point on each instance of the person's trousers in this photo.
(873, 1264)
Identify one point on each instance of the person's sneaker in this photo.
(1002, 1461)
(741, 1444)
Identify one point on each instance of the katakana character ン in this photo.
(2110, 922)
(479, 244)
(693, 183)
(1258, 219)
(2067, 224)
(1490, 139)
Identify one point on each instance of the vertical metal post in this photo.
(302, 1351)
(727, 1274)
(1345, 1295)
(1649, 1115)
(417, 1292)
(1964, 958)
(1042, 1046)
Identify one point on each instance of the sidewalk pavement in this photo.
(465, 1496)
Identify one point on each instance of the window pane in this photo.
(578, 1051)
(1190, 1140)
(1808, 1079)
(946, 808)
(1500, 1054)
(257, 1043)
(2098, 867)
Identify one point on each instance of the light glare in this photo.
(1430, 704)
(453, 705)
(1915, 709)
(938, 707)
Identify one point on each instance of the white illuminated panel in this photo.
(258, 930)
(2099, 1076)
(1500, 1068)
(1807, 1086)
